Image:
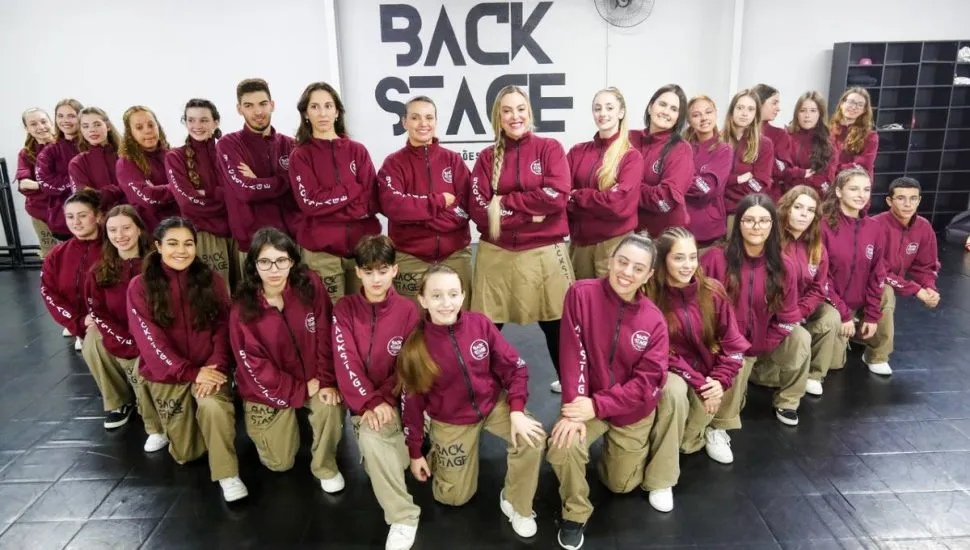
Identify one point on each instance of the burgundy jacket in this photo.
(95, 169)
(596, 216)
(109, 307)
(866, 158)
(912, 261)
(857, 268)
(54, 180)
(151, 196)
(206, 206)
(801, 144)
(36, 201)
(62, 280)
(175, 354)
(664, 183)
(781, 143)
(705, 196)
(534, 182)
(764, 329)
(813, 279)
(612, 352)
(366, 340)
(760, 169)
(477, 364)
(277, 352)
(411, 185)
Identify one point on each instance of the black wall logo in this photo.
(401, 23)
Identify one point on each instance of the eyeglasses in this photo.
(282, 264)
(855, 104)
(907, 200)
(751, 223)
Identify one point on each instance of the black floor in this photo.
(875, 463)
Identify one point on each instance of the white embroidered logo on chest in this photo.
(479, 349)
(870, 251)
(813, 270)
(446, 175)
(656, 167)
(536, 167)
(310, 323)
(285, 162)
(639, 340)
(353, 167)
(912, 248)
(394, 346)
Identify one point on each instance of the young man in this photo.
(911, 257)
(255, 162)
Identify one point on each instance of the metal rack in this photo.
(14, 255)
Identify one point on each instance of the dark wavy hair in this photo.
(251, 286)
(108, 269)
(202, 298)
(735, 255)
(305, 132)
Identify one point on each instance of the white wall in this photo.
(116, 53)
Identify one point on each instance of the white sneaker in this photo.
(662, 500)
(523, 526)
(334, 484)
(813, 387)
(400, 537)
(66, 333)
(879, 368)
(718, 446)
(155, 442)
(555, 387)
(78, 344)
(233, 489)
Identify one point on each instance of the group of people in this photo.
(698, 260)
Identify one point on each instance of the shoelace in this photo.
(720, 437)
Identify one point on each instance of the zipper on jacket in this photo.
(296, 346)
(185, 324)
(750, 328)
(616, 338)
(464, 371)
(690, 331)
(855, 253)
(370, 345)
(427, 162)
(336, 175)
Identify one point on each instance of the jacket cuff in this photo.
(415, 452)
(373, 402)
(516, 404)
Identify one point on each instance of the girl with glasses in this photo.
(853, 136)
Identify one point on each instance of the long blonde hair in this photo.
(754, 130)
(498, 154)
(606, 175)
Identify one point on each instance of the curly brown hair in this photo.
(130, 149)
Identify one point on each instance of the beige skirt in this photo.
(45, 239)
(523, 286)
(593, 261)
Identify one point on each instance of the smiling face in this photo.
(607, 112)
(256, 108)
(200, 123)
(144, 129)
(123, 233)
(770, 108)
(853, 106)
(681, 262)
(442, 297)
(376, 281)
(514, 115)
(177, 248)
(94, 130)
(702, 117)
(808, 114)
(322, 112)
(66, 118)
(630, 268)
(855, 194)
(38, 125)
(82, 220)
(664, 112)
(421, 121)
(744, 112)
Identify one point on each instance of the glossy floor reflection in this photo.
(875, 463)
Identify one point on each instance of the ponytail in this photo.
(495, 206)
(416, 370)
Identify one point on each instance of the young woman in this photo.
(770, 107)
(423, 191)
(668, 162)
(279, 330)
(37, 123)
(94, 166)
(606, 172)
(801, 240)
(853, 137)
(520, 187)
(813, 158)
(63, 275)
(857, 272)
(754, 153)
(614, 369)
(712, 166)
(706, 348)
(335, 185)
(178, 312)
(763, 287)
(196, 183)
(52, 164)
(368, 330)
(456, 367)
(110, 351)
(141, 167)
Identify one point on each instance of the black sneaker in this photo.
(789, 417)
(571, 535)
(118, 417)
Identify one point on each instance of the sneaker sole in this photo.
(718, 460)
(785, 421)
(118, 424)
(582, 539)
(234, 498)
(508, 515)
